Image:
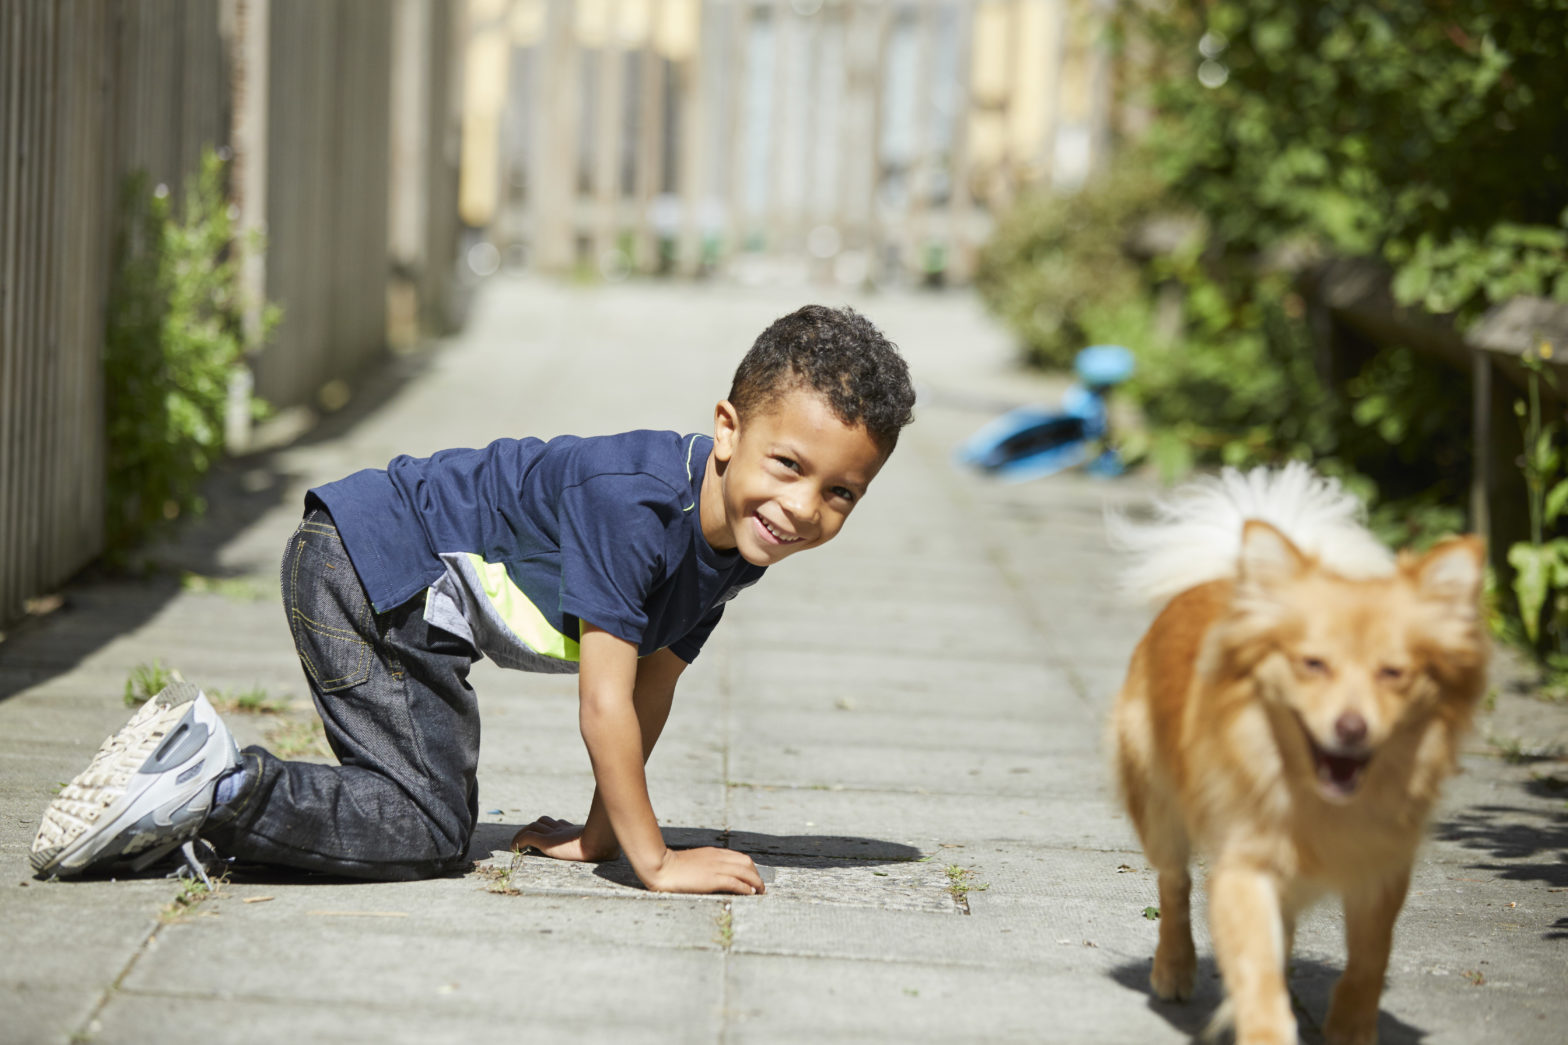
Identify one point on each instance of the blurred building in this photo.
(847, 139)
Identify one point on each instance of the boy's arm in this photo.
(616, 737)
(652, 696)
(594, 840)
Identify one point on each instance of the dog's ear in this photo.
(1267, 556)
(1268, 562)
(1451, 574)
(1447, 583)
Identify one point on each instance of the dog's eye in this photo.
(1314, 665)
(1389, 673)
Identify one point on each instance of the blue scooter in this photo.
(1033, 441)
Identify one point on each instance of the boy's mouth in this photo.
(1338, 773)
(777, 536)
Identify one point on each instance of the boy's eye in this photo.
(787, 462)
(1315, 665)
(845, 493)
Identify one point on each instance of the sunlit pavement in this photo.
(904, 729)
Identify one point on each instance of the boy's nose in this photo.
(802, 505)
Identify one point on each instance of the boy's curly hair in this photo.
(837, 353)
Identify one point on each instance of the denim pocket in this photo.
(328, 612)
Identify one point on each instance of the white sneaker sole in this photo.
(147, 790)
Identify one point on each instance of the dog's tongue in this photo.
(1338, 773)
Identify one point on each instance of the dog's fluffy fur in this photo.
(1291, 713)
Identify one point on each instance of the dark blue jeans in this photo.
(394, 697)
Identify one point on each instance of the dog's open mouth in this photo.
(1338, 774)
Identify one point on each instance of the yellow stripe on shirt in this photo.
(520, 614)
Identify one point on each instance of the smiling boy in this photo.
(609, 556)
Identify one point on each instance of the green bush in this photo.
(1431, 138)
(173, 340)
(1226, 362)
(1431, 135)
(1054, 260)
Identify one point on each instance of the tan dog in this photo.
(1291, 713)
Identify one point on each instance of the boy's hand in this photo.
(562, 840)
(706, 870)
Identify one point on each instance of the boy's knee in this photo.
(453, 834)
(453, 851)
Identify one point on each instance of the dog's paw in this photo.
(1352, 1014)
(1173, 976)
(1342, 1031)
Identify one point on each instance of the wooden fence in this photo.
(88, 92)
(853, 139)
(301, 92)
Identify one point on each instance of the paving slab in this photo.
(905, 730)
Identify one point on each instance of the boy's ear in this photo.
(726, 429)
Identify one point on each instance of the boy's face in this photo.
(785, 479)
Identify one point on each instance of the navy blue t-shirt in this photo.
(519, 542)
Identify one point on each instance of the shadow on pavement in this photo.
(1311, 983)
(774, 850)
(1526, 844)
(99, 603)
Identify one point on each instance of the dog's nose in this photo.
(1351, 728)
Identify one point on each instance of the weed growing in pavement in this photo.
(1509, 749)
(193, 891)
(725, 923)
(498, 879)
(253, 701)
(293, 739)
(960, 883)
(239, 589)
(1516, 752)
(147, 681)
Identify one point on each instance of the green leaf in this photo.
(1557, 564)
(1532, 566)
(1556, 501)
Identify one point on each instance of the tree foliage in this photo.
(1429, 138)
(1431, 134)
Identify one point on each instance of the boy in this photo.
(611, 557)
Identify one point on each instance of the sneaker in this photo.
(146, 791)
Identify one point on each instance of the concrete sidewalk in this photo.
(905, 727)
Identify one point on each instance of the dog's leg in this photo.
(1164, 836)
(1369, 936)
(1166, 845)
(1175, 959)
(1249, 943)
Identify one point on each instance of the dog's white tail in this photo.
(1195, 536)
